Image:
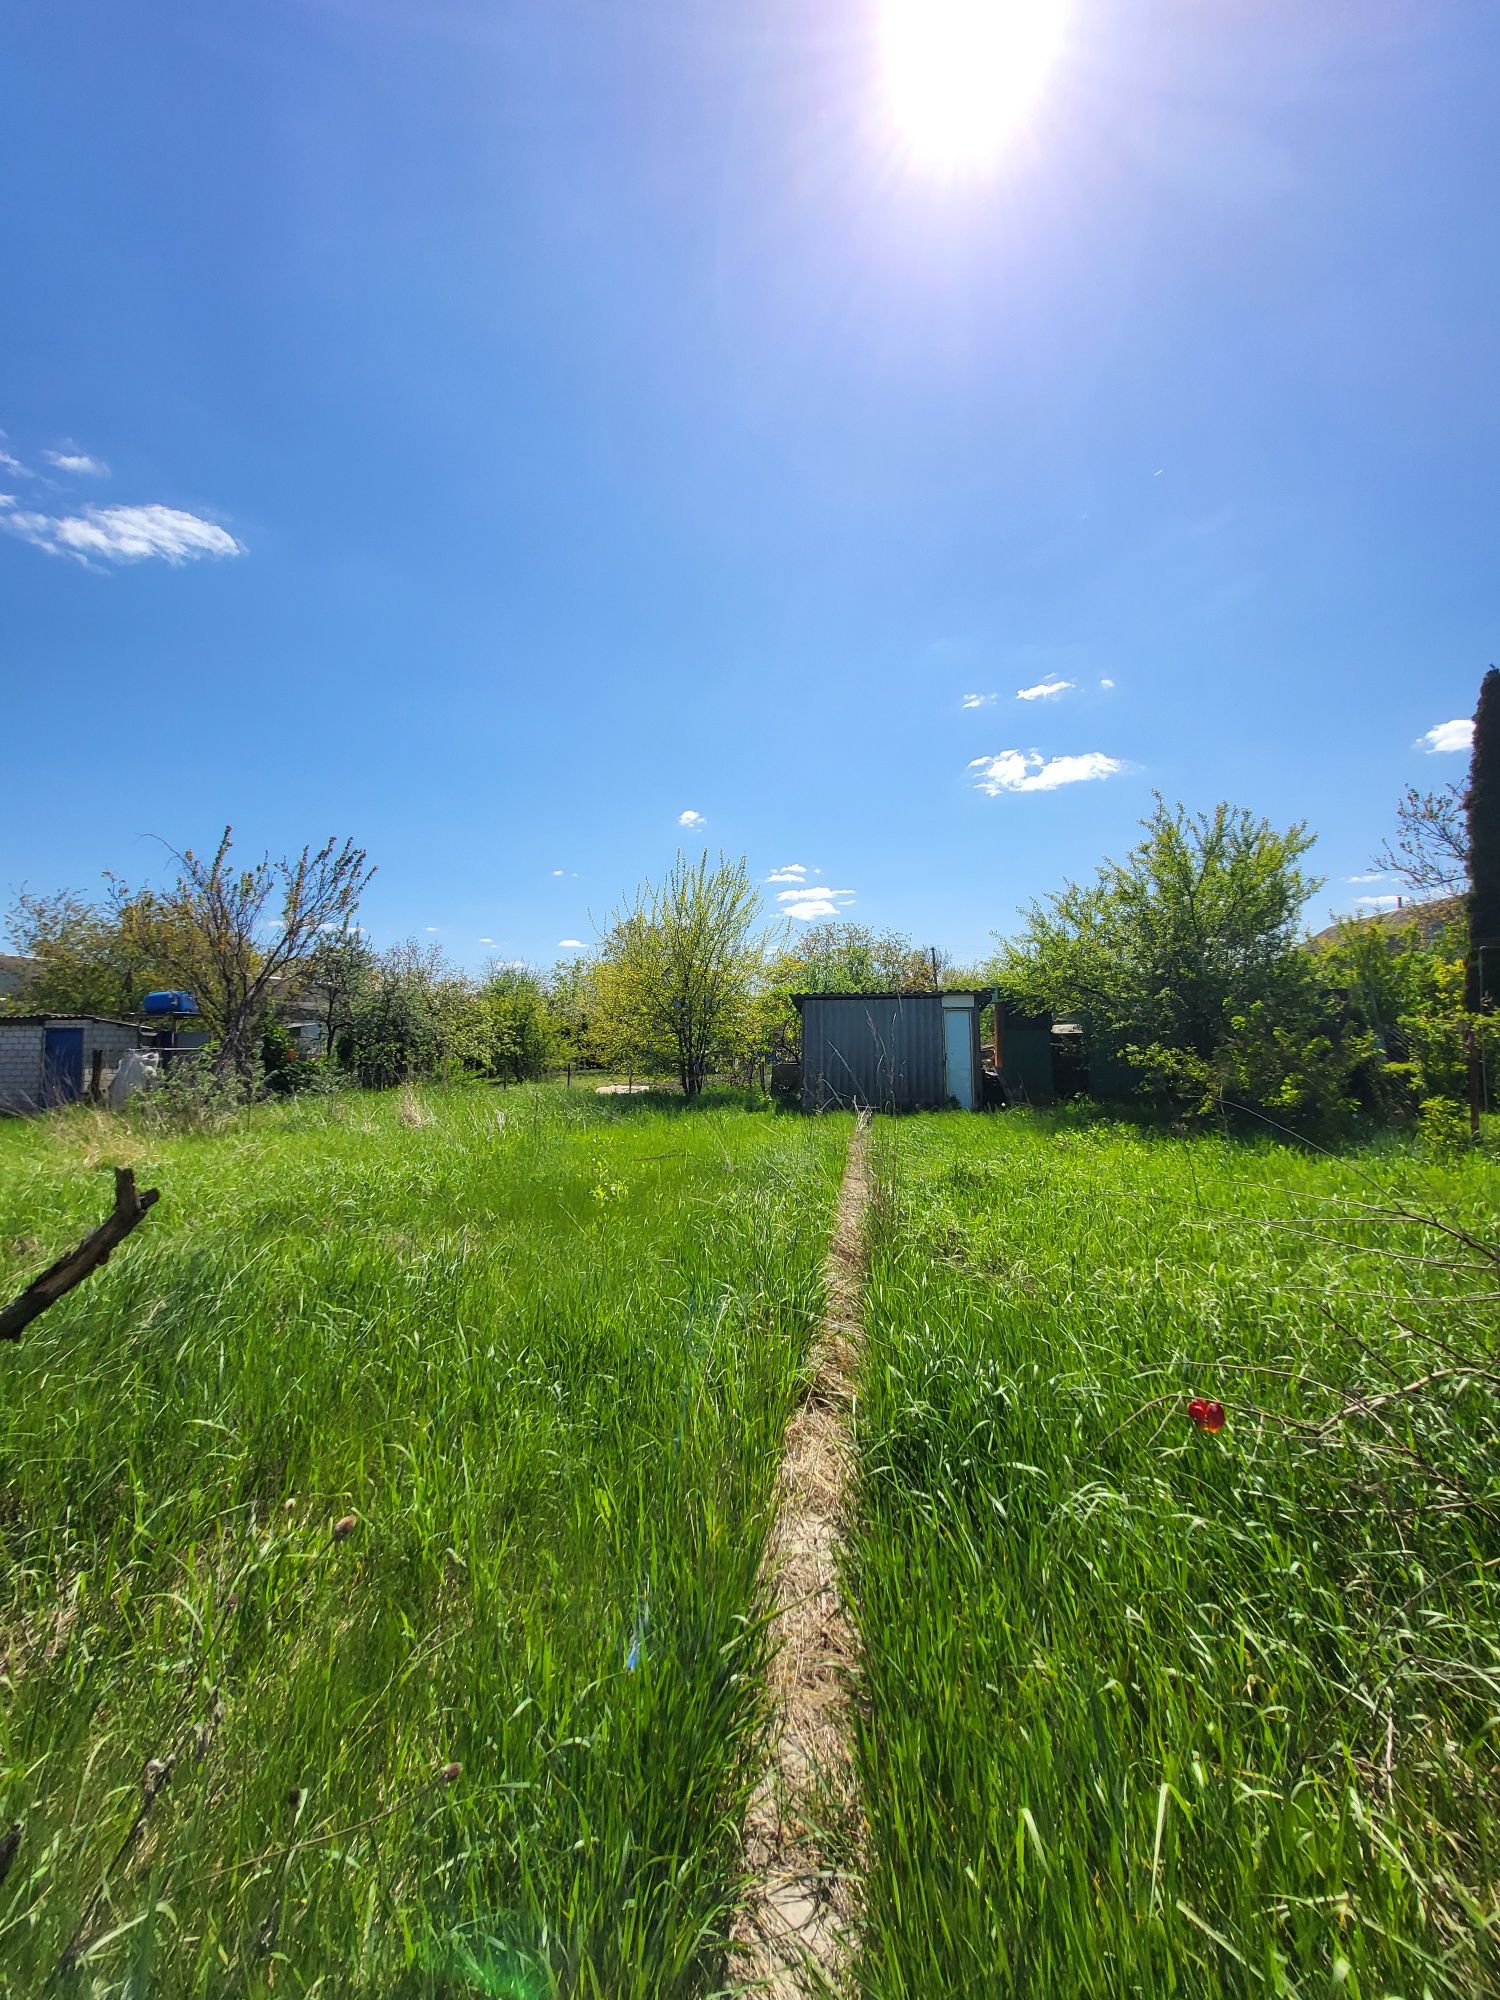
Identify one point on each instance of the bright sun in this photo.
(963, 73)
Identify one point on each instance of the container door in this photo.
(958, 1049)
(62, 1065)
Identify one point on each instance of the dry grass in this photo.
(802, 1846)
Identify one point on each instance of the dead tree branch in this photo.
(96, 1249)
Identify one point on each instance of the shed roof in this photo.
(1429, 918)
(983, 994)
(53, 1020)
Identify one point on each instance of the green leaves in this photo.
(676, 973)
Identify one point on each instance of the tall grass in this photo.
(1151, 1710)
(379, 1538)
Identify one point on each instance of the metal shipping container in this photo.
(890, 1051)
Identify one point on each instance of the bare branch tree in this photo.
(1430, 851)
(230, 935)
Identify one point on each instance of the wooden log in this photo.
(60, 1278)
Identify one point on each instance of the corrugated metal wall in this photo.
(881, 1050)
(1026, 1056)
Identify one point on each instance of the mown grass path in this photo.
(802, 1842)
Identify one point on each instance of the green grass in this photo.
(1151, 1711)
(542, 1347)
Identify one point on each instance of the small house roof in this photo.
(982, 994)
(1427, 917)
(65, 1020)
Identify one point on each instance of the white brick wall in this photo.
(22, 1046)
(20, 1066)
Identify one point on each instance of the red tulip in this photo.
(1208, 1416)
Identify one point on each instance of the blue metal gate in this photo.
(62, 1065)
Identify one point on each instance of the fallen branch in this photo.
(71, 1270)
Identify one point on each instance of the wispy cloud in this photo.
(814, 901)
(570, 944)
(1030, 771)
(1373, 903)
(124, 534)
(10, 463)
(1044, 690)
(438, 927)
(1367, 878)
(691, 818)
(978, 700)
(71, 460)
(1457, 735)
(794, 871)
(489, 941)
(1106, 682)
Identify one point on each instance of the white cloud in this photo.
(438, 927)
(558, 871)
(1030, 771)
(977, 700)
(12, 464)
(1106, 682)
(811, 901)
(489, 941)
(794, 871)
(125, 534)
(1367, 878)
(691, 818)
(1457, 735)
(1377, 902)
(570, 944)
(1044, 690)
(77, 461)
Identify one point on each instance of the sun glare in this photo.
(963, 74)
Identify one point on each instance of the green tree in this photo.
(339, 969)
(398, 1026)
(232, 935)
(841, 956)
(86, 958)
(568, 990)
(1406, 986)
(525, 1039)
(1186, 958)
(676, 971)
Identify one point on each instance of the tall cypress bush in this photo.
(1483, 806)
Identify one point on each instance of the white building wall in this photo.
(23, 1046)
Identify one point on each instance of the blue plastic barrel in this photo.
(169, 1003)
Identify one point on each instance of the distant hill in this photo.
(1429, 919)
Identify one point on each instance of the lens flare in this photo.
(964, 74)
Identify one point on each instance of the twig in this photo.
(96, 1249)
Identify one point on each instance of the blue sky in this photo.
(527, 424)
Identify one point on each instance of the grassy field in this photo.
(379, 1536)
(1154, 1710)
(379, 1612)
